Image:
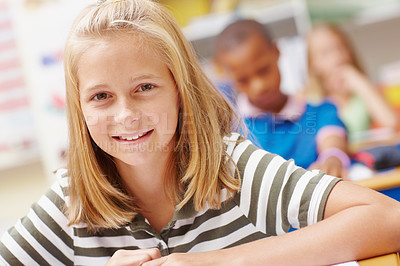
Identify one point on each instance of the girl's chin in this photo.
(132, 161)
(141, 155)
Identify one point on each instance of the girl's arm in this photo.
(378, 108)
(358, 223)
(332, 153)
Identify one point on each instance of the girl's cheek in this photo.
(91, 120)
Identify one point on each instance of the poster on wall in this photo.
(42, 28)
(18, 143)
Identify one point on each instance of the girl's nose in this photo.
(127, 115)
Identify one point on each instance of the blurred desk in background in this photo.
(387, 182)
(373, 138)
(381, 181)
(384, 260)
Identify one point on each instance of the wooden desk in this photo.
(381, 181)
(389, 138)
(385, 260)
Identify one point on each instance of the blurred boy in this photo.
(313, 136)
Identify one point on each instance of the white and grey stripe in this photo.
(275, 195)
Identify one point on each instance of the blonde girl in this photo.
(336, 74)
(155, 176)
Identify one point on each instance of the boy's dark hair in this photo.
(237, 33)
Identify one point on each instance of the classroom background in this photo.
(33, 131)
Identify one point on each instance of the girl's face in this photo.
(129, 99)
(327, 52)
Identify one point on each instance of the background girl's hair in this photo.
(97, 195)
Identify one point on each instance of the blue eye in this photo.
(145, 87)
(101, 96)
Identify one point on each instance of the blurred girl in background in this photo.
(336, 74)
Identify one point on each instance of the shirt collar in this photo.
(140, 223)
(293, 109)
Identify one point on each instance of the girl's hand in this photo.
(347, 78)
(133, 257)
(202, 258)
(173, 259)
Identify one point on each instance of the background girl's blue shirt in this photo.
(293, 139)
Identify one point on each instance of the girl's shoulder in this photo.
(231, 141)
(59, 188)
(61, 174)
(241, 149)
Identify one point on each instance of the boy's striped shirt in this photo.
(275, 195)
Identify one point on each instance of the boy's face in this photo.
(253, 67)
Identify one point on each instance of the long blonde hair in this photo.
(97, 195)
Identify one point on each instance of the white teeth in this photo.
(131, 137)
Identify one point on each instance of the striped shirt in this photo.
(275, 195)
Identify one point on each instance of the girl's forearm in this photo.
(378, 108)
(360, 223)
(346, 236)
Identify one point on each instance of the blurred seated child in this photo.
(336, 74)
(312, 135)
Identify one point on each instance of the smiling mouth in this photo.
(132, 137)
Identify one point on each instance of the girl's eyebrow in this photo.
(132, 80)
(92, 88)
(144, 76)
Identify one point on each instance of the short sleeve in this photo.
(328, 115)
(43, 236)
(276, 194)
